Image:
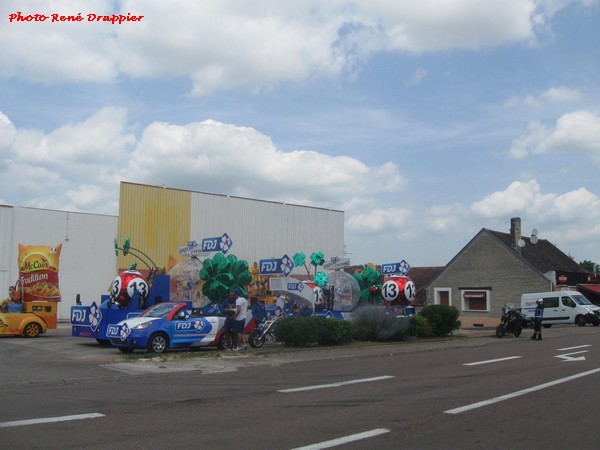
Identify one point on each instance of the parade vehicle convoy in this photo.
(36, 318)
(562, 307)
(130, 295)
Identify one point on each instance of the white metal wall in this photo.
(87, 259)
(262, 229)
(6, 219)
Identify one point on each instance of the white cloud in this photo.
(236, 44)
(85, 162)
(379, 220)
(526, 199)
(576, 132)
(219, 157)
(561, 94)
(554, 95)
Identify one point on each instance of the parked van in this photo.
(562, 307)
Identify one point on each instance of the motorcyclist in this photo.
(537, 320)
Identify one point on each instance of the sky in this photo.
(423, 120)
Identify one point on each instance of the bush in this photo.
(420, 327)
(336, 332)
(300, 331)
(443, 319)
(371, 323)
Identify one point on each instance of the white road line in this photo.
(345, 439)
(18, 423)
(573, 348)
(491, 361)
(332, 385)
(519, 393)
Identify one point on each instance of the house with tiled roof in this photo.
(495, 269)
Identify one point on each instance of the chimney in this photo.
(515, 233)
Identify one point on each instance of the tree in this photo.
(590, 266)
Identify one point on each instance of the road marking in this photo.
(491, 361)
(568, 357)
(519, 393)
(18, 423)
(332, 385)
(573, 348)
(345, 439)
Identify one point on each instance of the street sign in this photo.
(283, 265)
(393, 268)
(217, 244)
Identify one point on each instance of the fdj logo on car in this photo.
(217, 244)
(120, 332)
(197, 325)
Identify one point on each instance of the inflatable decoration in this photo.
(38, 272)
(367, 281)
(185, 281)
(399, 288)
(223, 273)
(346, 290)
(320, 279)
(317, 297)
(125, 285)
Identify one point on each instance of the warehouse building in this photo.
(166, 225)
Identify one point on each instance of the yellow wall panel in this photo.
(156, 219)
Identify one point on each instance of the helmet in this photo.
(540, 301)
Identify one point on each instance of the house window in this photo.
(442, 296)
(475, 300)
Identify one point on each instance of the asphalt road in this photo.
(472, 391)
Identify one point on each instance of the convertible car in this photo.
(168, 326)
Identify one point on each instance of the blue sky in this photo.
(424, 121)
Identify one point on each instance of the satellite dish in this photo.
(521, 243)
(534, 232)
(534, 239)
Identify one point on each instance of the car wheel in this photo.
(580, 321)
(225, 341)
(547, 326)
(32, 330)
(125, 350)
(256, 339)
(158, 343)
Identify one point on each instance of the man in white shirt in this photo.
(241, 309)
(280, 304)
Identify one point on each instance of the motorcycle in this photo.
(512, 321)
(265, 332)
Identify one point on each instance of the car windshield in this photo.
(581, 300)
(160, 310)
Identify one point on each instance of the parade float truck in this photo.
(32, 307)
(35, 319)
(130, 294)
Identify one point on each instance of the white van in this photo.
(562, 307)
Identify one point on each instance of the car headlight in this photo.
(142, 326)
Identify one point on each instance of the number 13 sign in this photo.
(399, 288)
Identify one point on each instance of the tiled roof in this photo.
(543, 255)
(421, 276)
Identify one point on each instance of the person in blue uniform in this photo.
(538, 316)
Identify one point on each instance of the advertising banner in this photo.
(38, 272)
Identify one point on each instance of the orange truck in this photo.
(35, 319)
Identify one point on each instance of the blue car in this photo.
(167, 326)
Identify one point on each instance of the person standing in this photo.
(241, 309)
(537, 320)
(280, 304)
(259, 311)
